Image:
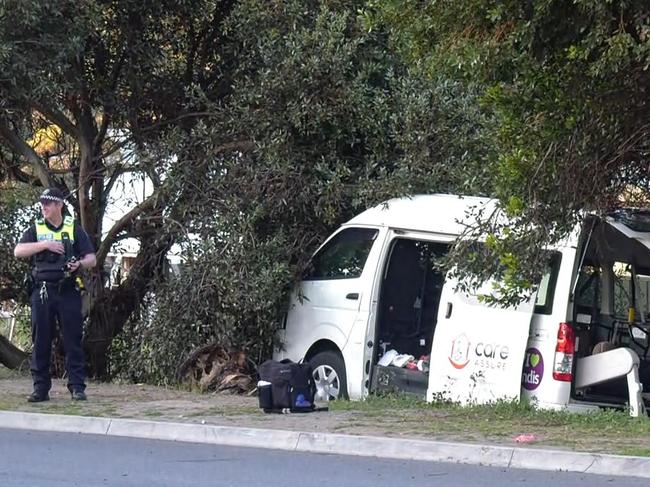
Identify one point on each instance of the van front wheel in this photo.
(329, 376)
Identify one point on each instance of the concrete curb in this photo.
(404, 449)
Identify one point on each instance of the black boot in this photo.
(78, 396)
(38, 397)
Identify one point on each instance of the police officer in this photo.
(58, 247)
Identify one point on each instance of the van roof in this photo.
(439, 213)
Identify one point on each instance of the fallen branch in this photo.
(212, 367)
(11, 356)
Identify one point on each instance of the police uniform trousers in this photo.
(61, 302)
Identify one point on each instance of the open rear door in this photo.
(478, 350)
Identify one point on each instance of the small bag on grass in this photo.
(286, 386)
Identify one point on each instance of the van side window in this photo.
(588, 292)
(344, 256)
(643, 292)
(623, 299)
(629, 292)
(546, 290)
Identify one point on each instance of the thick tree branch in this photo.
(124, 222)
(107, 117)
(89, 174)
(103, 128)
(21, 176)
(11, 356)
(21, 147)
(57, 117)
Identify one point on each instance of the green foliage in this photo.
(563, 86)
(14, 219)
(231, 292)
(337, 123)
(264, 125)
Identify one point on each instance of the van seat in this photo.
(611, 364)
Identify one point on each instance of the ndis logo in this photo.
(533, 369)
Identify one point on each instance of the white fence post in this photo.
(12, 326)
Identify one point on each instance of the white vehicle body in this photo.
(373, 287)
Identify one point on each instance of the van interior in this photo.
(407, 312)
(610, 311)
(611, 304)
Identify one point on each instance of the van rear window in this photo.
(546, 289)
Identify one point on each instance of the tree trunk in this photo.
(12, 356)
(110, 312)
(112, 308)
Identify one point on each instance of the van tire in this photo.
(329, 375)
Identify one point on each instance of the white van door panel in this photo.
(320, 310)
(478, 350)
(328, 302)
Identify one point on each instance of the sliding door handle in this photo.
(352, 296)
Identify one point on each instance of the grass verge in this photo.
(606, 431)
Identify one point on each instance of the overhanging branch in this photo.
(155, 200)
(58, 118)
(21, 147)
(124, 222)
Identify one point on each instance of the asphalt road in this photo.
(29, 458)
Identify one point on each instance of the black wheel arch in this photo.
(322, 346)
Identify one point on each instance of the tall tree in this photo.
(261, 125)
(337, 124)
(564, 89)
(107, 80)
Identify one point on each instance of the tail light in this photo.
(564, 352)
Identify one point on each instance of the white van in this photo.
(373, 313)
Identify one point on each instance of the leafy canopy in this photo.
(564, 89)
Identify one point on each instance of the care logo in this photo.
(459, 356)
(533, 371)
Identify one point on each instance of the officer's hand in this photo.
(73, 265)
(54, 246)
